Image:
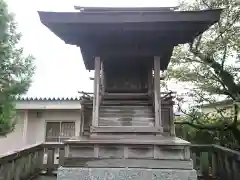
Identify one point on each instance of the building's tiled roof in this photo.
(48, 98)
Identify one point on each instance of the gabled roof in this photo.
(132, 33)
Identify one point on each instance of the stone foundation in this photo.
(65, 173)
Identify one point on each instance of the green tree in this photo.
(16, 69)
(210, 66)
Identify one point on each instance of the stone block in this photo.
(124, 174)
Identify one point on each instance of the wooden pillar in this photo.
(25, 127)
(102, 80)
(150, 80)
(81, 121)
(96, 97)
(172, 126)
(157, 98)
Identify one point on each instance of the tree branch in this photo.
(184, 112)
(224, 54)
(220, 111)
(225, 76)
(188, 60)
(227, 29)
(224, 42)
(199, 38)
(219, 80)
(206, 4)
(215, 127)
(193, 116)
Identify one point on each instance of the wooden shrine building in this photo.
(129, 123)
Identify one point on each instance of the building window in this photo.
(59, 131)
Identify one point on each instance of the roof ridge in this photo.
(32, 98)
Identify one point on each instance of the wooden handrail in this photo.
(227, 151)
(52, 145)
(216, 161)
(14, 155)
(23, 163)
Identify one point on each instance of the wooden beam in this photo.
(174, 142)
(139, 54)
(96, 97)
(157, 101)
(143, 51)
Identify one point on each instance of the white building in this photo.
(42, 119)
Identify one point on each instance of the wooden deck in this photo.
(211, 162)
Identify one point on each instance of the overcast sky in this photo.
(60, 70)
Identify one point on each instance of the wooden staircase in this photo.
(126, 109)
(129, 115)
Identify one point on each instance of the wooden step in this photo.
(126, 111)
(136, 112)
(129, 96)
(125, 107)
(125, 114)
(125, 102)
(124, 122)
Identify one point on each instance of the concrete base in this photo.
(124, 174)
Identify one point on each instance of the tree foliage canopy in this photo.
(16, 69)
(211, 67)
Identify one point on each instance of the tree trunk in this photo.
(236, 133)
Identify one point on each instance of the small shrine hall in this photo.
(127, 128)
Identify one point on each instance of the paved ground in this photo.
(55, 178)
(46, 178)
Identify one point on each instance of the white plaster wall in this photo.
(36, 127)
(13, 140)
